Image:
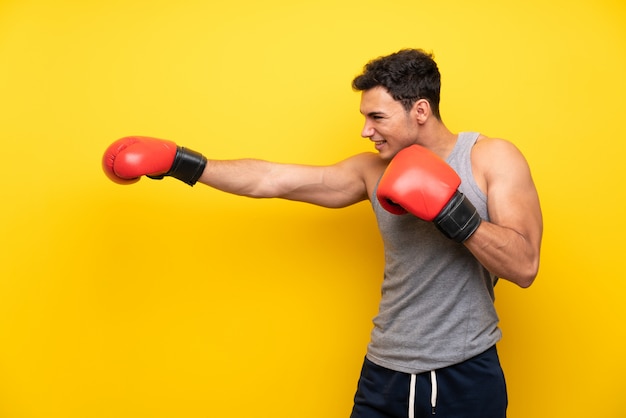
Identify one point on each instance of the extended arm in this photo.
(334, 186)
(337, 185)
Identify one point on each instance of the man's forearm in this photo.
(506, 253)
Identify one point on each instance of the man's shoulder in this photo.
(497, 158)
(490, 147)
(367, 166)
(367, 162)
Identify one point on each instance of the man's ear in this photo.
(421, 110)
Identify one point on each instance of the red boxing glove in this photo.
(129, 158)
(419, 182)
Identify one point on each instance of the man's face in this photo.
(387, 123)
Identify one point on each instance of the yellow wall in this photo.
(161, 300)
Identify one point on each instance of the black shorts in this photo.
(474, 388)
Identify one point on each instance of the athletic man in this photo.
(456, 212)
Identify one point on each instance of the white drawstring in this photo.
(433, 393)
(412, 397)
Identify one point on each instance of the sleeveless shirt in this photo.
(437, 303)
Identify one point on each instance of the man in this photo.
(456, 212)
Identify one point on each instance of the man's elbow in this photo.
(527, 277)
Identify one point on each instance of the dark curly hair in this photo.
(408, 75)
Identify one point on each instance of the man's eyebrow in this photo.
(375, 113)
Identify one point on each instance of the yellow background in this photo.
(161, 300)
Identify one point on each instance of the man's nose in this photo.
(367, 131)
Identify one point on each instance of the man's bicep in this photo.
(513, 201)
(334, 186)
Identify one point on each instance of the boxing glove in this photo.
(419, 182)
(129, 158)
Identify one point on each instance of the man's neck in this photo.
(438, 138)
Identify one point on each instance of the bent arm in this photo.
(332, 186)
(509, 244)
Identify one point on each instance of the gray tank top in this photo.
(437, 300)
